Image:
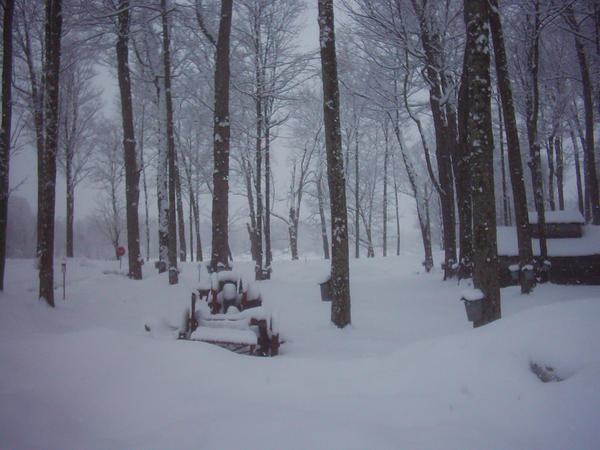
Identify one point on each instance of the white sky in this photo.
(23, 166)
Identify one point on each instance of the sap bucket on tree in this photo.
(473, 300)
(326, 289)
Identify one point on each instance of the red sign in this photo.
(120, 251)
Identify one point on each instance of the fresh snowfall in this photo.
(105, 370)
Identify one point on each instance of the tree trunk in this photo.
(268, 252)
(145, 187)
(481, 149)
(577, 172)
(551, 172)
(321, 201)
(505, 206)
(131, 173)
(7, 68)
(532, 112)
(258, 230)
(293, 232)
(463, 182)
(162, 186)
(170, 138)
(47, 182)
(221, 133)
(199, 256)
(514, 152)
(425, 225)
(356, 198)
(191, 225)
(397, 216)
(385, 193)
(70, 208)
(340, 270)
(590, 174)
(560, 172)
(180, 216)
(443, 138)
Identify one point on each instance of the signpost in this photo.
(120, 252)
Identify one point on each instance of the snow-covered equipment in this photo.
(227, 310)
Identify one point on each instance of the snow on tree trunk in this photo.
(7, 68)
(221, 134)
(170, 141)
(481, 158)
(340, 272)
(132, 175)
(47, 181)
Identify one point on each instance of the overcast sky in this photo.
(23, 166)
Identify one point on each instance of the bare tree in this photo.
(107, 172)
(79, 103)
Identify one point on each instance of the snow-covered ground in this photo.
(410, 372)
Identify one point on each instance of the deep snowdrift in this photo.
(409, 373)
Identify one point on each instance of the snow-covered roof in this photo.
(570, 216)
(588, 244)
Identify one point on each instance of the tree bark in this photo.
(481, 149)
(7, 69)
(180, 215)
(162, 184)
(47, 181)
(505, 206)
(258, 230)
(385, 192)
(268, 252)
(170, 138)
(551, 172)
(145, 187)
(512, 146)
(356, 197)
(340, 270)
(463, 182)
(560, 173)
(70, 208)
(221, 134)
(321, 201)
(577, 171)
(131, 171)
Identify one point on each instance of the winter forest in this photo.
(396, 200)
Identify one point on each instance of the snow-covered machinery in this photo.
(227, 310)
